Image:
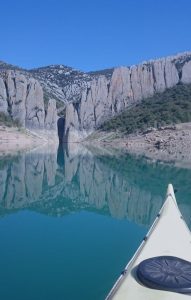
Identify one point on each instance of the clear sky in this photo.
(92, 34)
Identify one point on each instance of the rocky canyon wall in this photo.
(22, 99)
(90, 98)
(105, 97)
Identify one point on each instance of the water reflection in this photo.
(67, 181)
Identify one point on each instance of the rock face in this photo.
(107, 96)
(3, 98)
(90, 98)
(51, 116)
(22, 99)
(186, 73)
(34, 105)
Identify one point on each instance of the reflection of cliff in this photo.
(60, 183)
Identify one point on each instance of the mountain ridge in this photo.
(105, 98)
(90, 98)
(64, 83)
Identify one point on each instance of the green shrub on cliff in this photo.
(6, 120)
(170, 107)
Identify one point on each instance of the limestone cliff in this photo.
(107, 96)
(90, 98)
(21, 98)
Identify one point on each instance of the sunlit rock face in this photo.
(22, 99)
(60, 183)
(51, 115)
(89, 98)
(186, 73)
(106, 96)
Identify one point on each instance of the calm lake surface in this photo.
(70, 221)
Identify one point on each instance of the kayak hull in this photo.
(168, 236)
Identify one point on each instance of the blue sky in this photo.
(92, 35)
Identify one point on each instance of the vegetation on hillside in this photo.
(170, 107)
(6, 120)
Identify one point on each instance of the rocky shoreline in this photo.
(14, 140)
(169, 144)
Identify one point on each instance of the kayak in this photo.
(161, 266)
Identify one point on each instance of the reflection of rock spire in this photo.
(60, 155)
(73, 180)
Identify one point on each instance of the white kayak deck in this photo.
(169, 235)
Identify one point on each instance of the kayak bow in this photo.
(167, 242)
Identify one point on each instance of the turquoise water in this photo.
(69, 222)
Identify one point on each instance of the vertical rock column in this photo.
(16, 91)
(35, 113)
(3, 98)
(51, 116)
